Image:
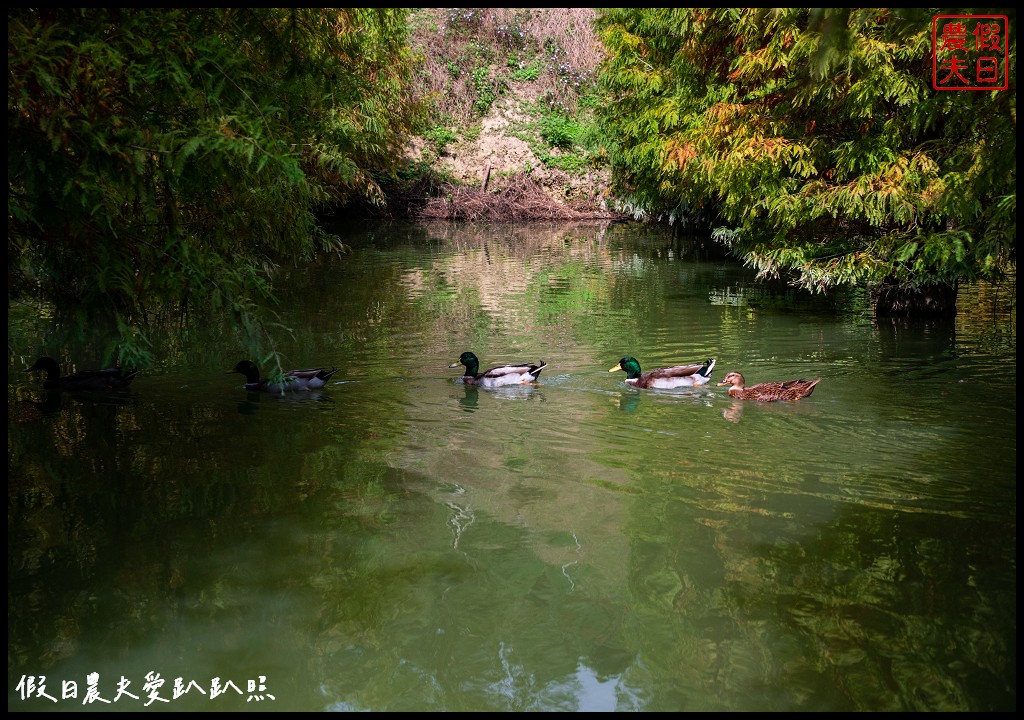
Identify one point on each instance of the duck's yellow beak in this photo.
(617, 367)
(455, 364)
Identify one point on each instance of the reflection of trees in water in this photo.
(440, 619)
(106, 521)
(901, 338)
(987, 313)
(754, 596)
(521, 240)
(510, 278)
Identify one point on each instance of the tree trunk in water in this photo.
(929, 301)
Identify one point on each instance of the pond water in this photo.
(400, 541)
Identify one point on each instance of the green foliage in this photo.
(571, 163)
(572, 143)
(440, 138)
(487, 90)
(816, 137)
(525, 72)
(558, 131)
(166, 161)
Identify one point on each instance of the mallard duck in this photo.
(499, 375)
(103, 379)
(291, 380)
(665, 377)
(769, 391)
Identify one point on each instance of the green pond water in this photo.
(400, 541)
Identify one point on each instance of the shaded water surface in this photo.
(401, 541)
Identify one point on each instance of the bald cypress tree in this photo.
(168, 160)
(814, 144)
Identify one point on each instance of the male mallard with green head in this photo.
(291, 380)
(665, 377)
(102, 379)
(499, 375)
(768, 391)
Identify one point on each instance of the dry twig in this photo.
(521, 199)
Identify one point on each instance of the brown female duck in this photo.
(769, 391)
